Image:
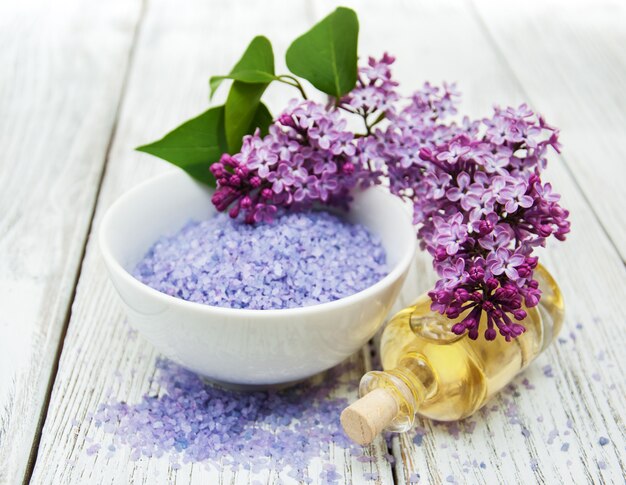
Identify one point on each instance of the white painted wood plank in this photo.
(569, 58)
(179, 47)
(586, 398)
(63, 67)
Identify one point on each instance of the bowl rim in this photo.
(114, 265)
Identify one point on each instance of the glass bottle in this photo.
(430, 371)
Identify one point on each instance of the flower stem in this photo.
(296, 84)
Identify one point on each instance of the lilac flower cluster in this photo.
(307, 156)
(375, 91)
(410, 129)
(479, 202)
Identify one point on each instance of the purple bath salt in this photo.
(299, 259)
(192, 422)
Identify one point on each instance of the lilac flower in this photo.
(505, 261)
(307, 156)
(479, 203)
(459, 193)
(307, 190)
(375, 89)
(453, 274)
(495, 163)
(450, 234)
(264, 212)
(258, 156)
(480, 206)
(326, 185)
(500, 237)
(496, 131)
(343, 143)
(545, 192)
(514, 196)
(453, 153)
(286, 176)
(323, 134)
(438, 183)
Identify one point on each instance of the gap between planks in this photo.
(32, 459)
(159, 22)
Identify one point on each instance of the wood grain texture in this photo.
(178, 48)
(546, 427)
(58, 100)
(568, 58)
(515, 438)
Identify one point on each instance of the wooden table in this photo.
(82, 83)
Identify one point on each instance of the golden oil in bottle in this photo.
(430, 371)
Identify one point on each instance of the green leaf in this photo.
(244, 98)
(326, 55)
(243, 76)
(194, 145)
(255, 66)
(262, 120)
(241, 106)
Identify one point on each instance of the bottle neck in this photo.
(410, 383)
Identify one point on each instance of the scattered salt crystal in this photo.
(193, 421)
(547, 371)
(93, 449)
(552, 436)
(227, 263)
(603, 441)
(565, 447)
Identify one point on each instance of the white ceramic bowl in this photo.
(246, 347)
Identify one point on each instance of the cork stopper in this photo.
(364, 419)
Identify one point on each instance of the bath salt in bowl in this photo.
(226, 316)
(299, 259)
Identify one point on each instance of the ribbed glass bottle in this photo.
(430, 371)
